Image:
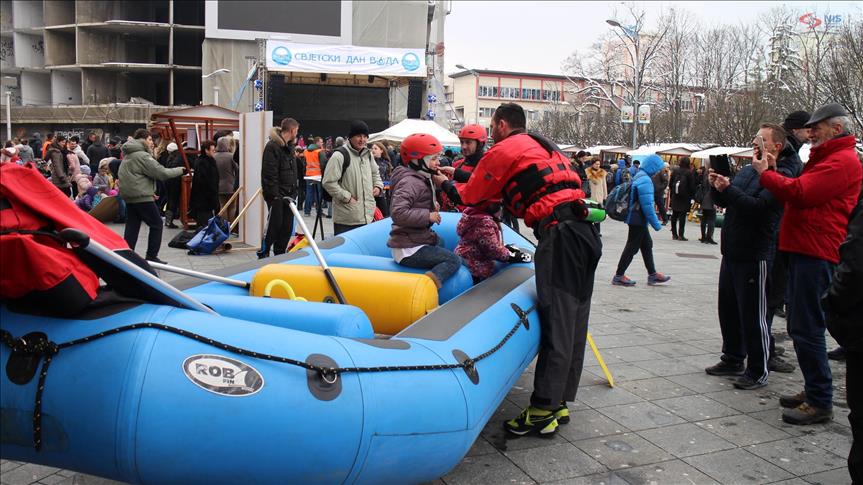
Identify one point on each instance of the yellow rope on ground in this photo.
(599, 359)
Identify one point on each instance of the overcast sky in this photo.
(536, 36)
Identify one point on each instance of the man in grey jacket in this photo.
(354, 189)
(138, 174)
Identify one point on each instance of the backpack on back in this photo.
(617, 202)
(346, 162)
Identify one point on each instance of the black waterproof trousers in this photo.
(566, 260)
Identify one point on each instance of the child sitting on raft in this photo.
(480, 242)
(414, 209)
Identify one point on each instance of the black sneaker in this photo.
(806, 414)
(747, 383)
(779, 312)
(154, 259)
(792, 400)
(777, 364)
(725, 369)
(837, 354)
(533, 420)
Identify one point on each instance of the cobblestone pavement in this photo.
(665, 421)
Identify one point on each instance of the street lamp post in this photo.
(8, 115)
(635, 81)
(216, 88)
(475, 93)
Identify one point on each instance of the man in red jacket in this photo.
(817, 207)
(537, 182)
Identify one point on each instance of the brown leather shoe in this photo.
(805, 414)
(792, 400)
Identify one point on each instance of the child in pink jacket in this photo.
(480, 242)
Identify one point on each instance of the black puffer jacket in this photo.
(682, 187)
(278, 168)
(843, 302)
(751, 219)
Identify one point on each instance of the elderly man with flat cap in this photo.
(817, 207)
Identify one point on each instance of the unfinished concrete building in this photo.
(99, 64)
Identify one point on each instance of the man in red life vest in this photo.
(537, 182)
(472, 138)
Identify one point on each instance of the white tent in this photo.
(705, 154)
(405, 128)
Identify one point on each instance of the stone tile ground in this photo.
(665, 422)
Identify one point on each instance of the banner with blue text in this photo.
(345, 59)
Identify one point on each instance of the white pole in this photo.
(8, 115)
(216, 95)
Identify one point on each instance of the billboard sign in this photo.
(345, 59)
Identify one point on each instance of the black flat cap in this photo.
(796, 120)
(829, 110)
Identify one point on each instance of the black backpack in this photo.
(346, 162)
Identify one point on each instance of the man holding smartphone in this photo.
(748, 244)
(817, 207)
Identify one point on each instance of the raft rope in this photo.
(47, 349)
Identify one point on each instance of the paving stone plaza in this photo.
(664, 422)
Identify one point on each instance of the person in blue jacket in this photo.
(641, 213)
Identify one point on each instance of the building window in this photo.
(686, 104)
(548, 95)
(486, 112)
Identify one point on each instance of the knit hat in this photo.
(172, 147)
(358, 127)
(796, 120)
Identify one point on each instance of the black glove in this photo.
(516, 255)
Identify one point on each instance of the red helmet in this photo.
(473, 132)
(418, 146)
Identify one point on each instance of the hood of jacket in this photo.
(652, 164)
(276, 136)
(133, 146)
(788, 163)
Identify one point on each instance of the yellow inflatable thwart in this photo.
(408, 297)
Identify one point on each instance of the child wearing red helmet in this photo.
(414, 209)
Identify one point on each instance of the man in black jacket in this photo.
(278, 181)
(795, 127)
(843, 306)
(748, 245)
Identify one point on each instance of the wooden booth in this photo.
(192, 126)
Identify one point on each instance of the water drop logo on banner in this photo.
(410, 61)
(282, 56)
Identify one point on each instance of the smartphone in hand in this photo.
(759, 149)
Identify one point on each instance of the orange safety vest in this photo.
(313, 163)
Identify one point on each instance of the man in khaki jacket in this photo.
(353, 190)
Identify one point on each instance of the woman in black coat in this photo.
(682, 187)
(204, 200)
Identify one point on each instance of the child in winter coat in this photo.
(104, 181)
(480, 242)
(415, 209)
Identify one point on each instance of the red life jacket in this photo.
(542, 183)
(531, 174)
(36, 266)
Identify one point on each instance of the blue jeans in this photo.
(312, 189)
(808, 279)
(442, 262)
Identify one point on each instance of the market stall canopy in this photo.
(730, 151)
(664, 149)
(596, 150)
(570, 148)
(216, 116)
(405, 128)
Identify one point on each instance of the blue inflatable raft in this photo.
(272, 390)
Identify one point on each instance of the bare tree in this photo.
(844, 71)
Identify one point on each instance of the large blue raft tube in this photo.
(215, 398)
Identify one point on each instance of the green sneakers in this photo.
(532, 419)
(562, 414)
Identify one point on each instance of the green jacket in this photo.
(139, 171)
(360, 179)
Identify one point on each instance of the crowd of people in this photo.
(786, 247)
